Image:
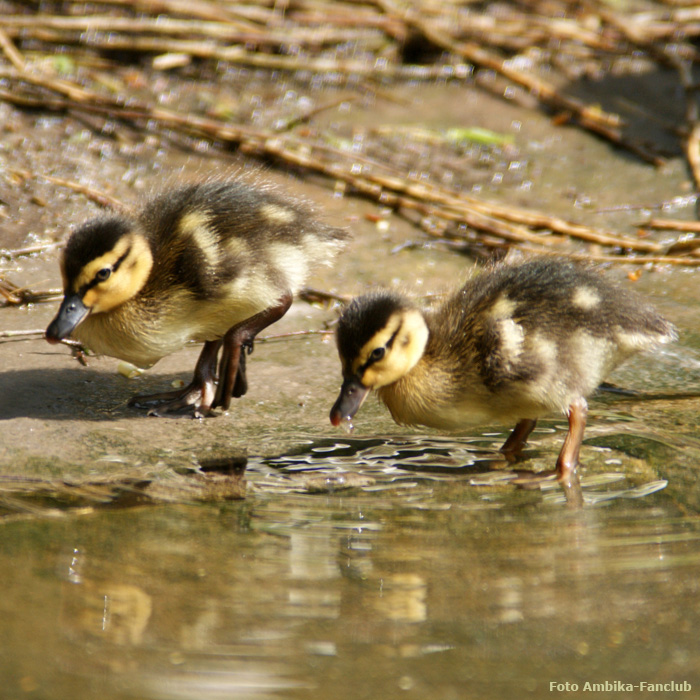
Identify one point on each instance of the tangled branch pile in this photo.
(98, 61)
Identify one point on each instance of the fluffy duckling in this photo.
(515, 343)
(215, 262)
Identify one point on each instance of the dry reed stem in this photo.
(65, 28)
(443, 25)
(23, 334)
(198, 9)
(10, 50)
(673, 225)
(692, 153)
(28, 250)
(507, 223)
(441, 210)
(452, 204)
(98, 196)
(638, 260)
(18, 296)
(477, 54)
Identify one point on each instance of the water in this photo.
(402, 583)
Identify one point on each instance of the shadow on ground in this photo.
(75, 393)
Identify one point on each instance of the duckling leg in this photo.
(567, 461)
(199, 392)
(240, 386)
(232, 371)
(568, 457)
(513, 447)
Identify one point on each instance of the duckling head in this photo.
(105, 263)
(380, 337)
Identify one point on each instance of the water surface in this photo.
(417, 582)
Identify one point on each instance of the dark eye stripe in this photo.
(95, 281)
(389, 343)
(116, 265)
(391, 340)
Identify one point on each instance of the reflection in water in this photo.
(403, 598)
(114, 612)
(106, 609)
(404, 583)
(313, 550)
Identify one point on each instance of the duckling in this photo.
(213, 262)
(515, 343)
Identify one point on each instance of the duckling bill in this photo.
(514, 344)
(215, 262)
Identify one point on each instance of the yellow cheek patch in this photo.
(378, 340)
(125, 281)
(91, 297)
(410, 335)
(372, 376)
(109, 260)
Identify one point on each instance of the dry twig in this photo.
(673, 225)
(310, 36)
(18, 296)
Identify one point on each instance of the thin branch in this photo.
(10, 50)
(291, 335)
(98, 196)
(638, 260)
(673, 225)
(71, 28)
(692, 153)
(23, 334)
(18, 296)
(475, 53)
(28, 250)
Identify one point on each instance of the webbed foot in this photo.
(198, 394)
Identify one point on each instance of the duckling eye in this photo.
(377, 354)
(103, 274)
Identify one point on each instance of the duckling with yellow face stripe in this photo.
(517, 342)
(214, 262)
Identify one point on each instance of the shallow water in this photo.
(413, 586)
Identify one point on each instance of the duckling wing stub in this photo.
(501, 357)
(210, 235)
